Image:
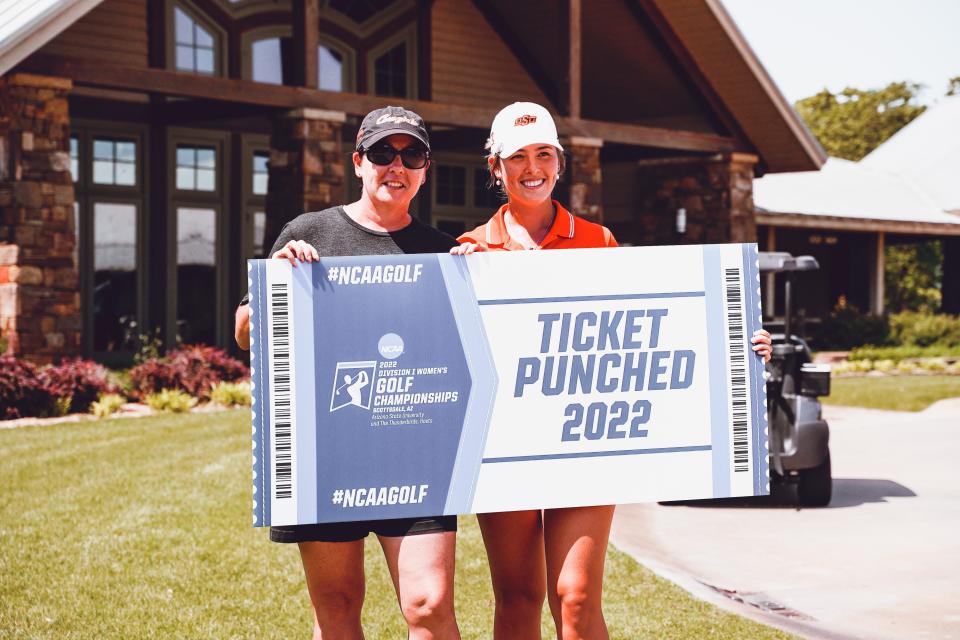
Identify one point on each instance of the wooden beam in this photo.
(649, 15)
(575, 60)
(519, 49)
(306, 25)
(424, 49)
(171, 83)
(837, 223)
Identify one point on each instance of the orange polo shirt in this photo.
(568, 232)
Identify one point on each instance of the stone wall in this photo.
(585, 177)
(717, 194)
(306, 166)
(39, 285)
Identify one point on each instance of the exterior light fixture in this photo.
(681, 220)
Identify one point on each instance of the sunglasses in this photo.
(413, 157)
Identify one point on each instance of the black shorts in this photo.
(358, 530)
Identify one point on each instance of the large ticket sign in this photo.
(420, 385)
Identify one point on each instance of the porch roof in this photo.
(927, 151)
(27, 25)
(850, 195)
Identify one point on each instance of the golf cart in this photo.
(799, 437)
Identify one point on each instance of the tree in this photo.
(913, 275)
(852, 123)
(953, 86)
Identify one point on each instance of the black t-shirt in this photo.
(333, 233)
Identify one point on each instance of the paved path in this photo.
(882, 561)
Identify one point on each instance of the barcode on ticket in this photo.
(736, 352)
(282, 417)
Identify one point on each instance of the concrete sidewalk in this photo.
(882, 561)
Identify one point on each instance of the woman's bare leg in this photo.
(514, 541)
(575, 540)
(334, 572)
(422, 570)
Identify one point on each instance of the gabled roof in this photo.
(27, 25)
(843, 193)
(728, 63)
(928, 152)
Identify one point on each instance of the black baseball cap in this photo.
(380, 123)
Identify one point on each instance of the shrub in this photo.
(933, 365)
(907, 366)
(22, 390)
(193, 369)
(924, 329)
(847, 327)
(173, 400)
(231, 394)
(108, 404)
(902, 353)
(76, 383)
(884, 366)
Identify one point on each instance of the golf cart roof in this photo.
(777, 261)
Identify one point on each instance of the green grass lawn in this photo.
(900, 393)
(141, 528)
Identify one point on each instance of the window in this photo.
(483, 196)
(75, 158)
(114, 162)
(196, 168)
(266, 64)
(260, 173)
(195, 46)
(331, 69)
(451, 185)
(196, 274)
(461, 199)
(259, 231)
(390, 72)
(114, 275)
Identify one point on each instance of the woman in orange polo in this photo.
(560, 548)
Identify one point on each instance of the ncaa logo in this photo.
(524, 120)
(390, 346)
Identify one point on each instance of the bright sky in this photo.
(807, 45)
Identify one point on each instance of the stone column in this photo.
(716, 194)
(306, 166)
(585, 177)
(39, 284)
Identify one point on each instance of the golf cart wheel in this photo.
(815, 486)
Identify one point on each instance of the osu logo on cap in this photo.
(524, 120)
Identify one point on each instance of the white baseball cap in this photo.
(520, 124)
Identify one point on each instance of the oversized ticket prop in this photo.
(418, 385)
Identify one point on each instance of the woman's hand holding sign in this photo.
(297, 250)
(761, 344)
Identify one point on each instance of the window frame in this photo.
(470, 212)
(219, 201)
(218, 33)
(250, 202)
(408, 36)
(87, 193)
(349, 61)
(248, 38)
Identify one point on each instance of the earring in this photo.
(498, 182)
